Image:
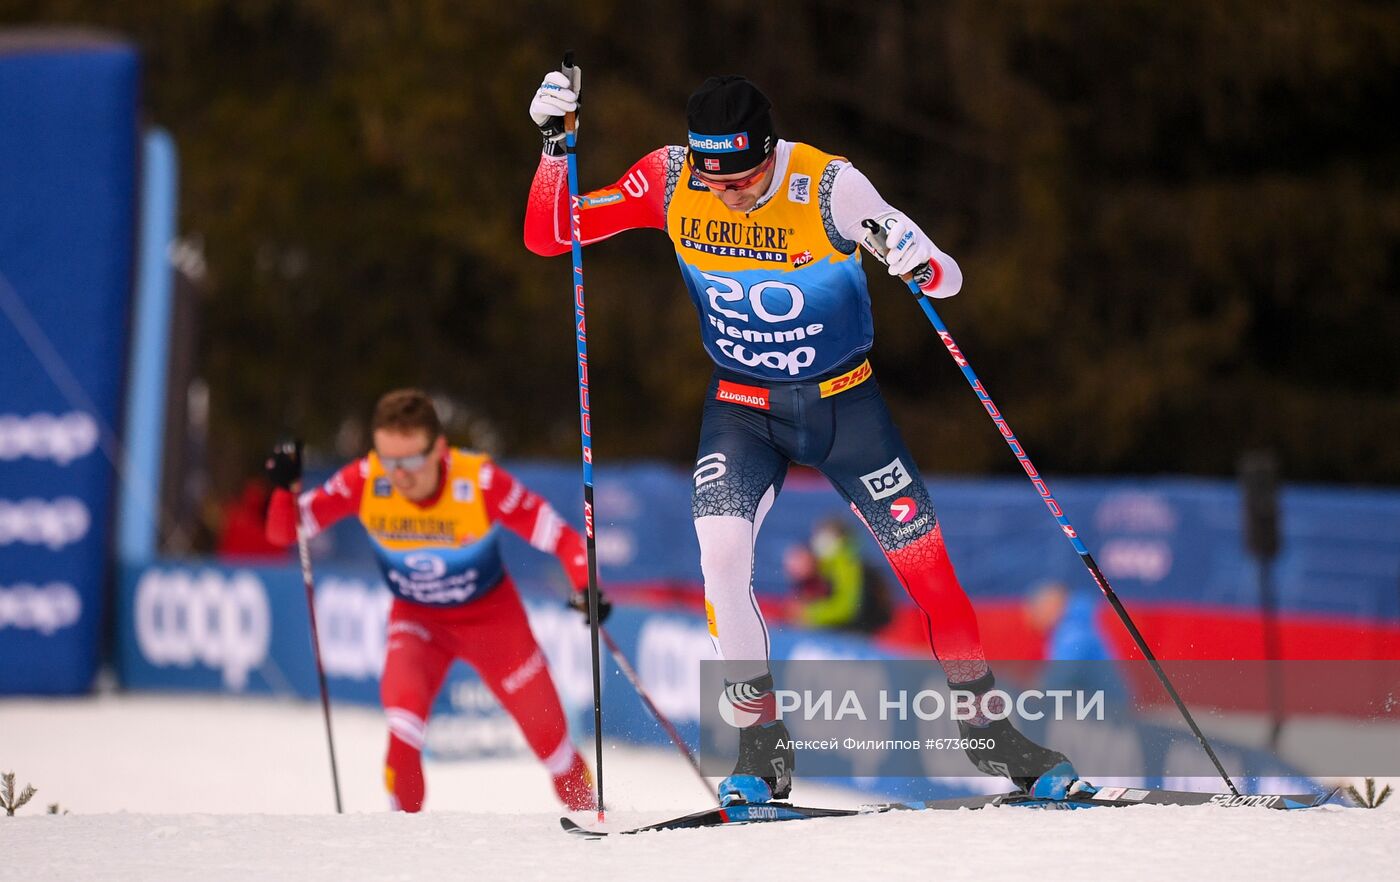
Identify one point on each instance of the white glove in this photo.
(556, 96)
(906, 249)
(906, 246)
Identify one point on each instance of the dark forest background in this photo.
(1179, 222)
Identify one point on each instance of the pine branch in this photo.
(1370, 799)
(8, 801)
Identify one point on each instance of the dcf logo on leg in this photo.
(887, 480)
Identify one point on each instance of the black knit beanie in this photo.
(731, 127)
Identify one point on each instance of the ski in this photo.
(1104, 797)
(743, 813)
(1108, 797)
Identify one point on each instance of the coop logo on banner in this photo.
(1137, 512)
(55, 524)
(1148, 560)
(43, 608)
(669, 653)
(44, 436)
(351, 617)
(617, 546)
(220, 621)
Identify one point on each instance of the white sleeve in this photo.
(854, 199)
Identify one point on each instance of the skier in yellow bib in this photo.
(767, 234)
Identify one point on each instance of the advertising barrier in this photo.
(244, 630)
(1173, 549)
(1176, 540)
(68, 147)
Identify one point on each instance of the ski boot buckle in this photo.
(744, 789)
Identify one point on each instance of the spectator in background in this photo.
(1075, 646)
(241, 534)
(1067, 620)
(833, 587)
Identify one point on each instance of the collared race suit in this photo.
(784, 313)
(452, 600)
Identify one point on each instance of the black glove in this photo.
(579, 601)
(283, 465)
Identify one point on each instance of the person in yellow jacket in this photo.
(833, 586)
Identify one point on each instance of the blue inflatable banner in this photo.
(68, 148)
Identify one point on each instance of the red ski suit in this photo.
(453, 600)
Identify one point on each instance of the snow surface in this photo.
(211, 789)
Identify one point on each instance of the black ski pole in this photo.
(304, 552)
(586, 430)
(878, 234)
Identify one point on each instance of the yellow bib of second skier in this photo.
(444, 554)
(458, 517)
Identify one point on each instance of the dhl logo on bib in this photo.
(849, 380)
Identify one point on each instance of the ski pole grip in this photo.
(567, 69)
(917, 276)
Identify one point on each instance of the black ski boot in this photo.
(996, 748)
(766, 756)
(763, 771)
